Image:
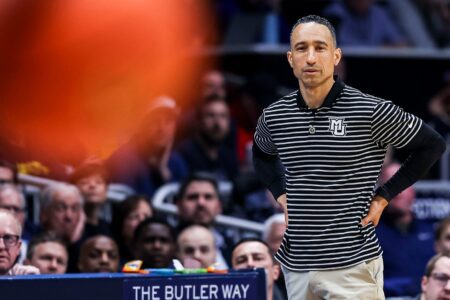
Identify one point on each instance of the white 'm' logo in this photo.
(337, 127)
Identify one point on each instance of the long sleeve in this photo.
(425, 149)
(270, 171)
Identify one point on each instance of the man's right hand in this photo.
(282, 200)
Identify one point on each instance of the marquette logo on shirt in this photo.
(337, 127)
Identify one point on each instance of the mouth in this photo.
(310, 71)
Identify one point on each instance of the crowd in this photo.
(198, 147)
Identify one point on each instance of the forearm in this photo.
(424, 150)
(270, 171)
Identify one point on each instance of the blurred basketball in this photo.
(85, 70)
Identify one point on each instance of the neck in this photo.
(211, 149)
(270, 293)
(314, 95)
(92, 211)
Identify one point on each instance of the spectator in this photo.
(435, 283)
(363, 23)
(48, 252)
(399, 229)
(208, 150)
(99, 254)
(154, 243)
(126, 217)
(91, 178)
(196, 242)
(62, 212)
(198, 202)
(255, 253)
(13, 199)
(150, 161)
(10, 232)
(442, 236)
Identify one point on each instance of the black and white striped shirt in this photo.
(332, 156)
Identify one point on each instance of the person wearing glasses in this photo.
(436, 281)
(10, 242)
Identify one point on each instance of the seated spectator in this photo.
(147, 161)
(208, 150)
(91, 178)
(196, 242)
(98, 254)
(363, 23)
(10, 232)
(154, 243)
(255, 253)
(436, 281)
(400, 229)
(62, 212)
(48, 252)
(126, 217)
(13, 200)
(442, 236)
(198, 202)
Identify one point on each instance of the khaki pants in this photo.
(361, 282)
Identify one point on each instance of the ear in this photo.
(276, 271)
(289, 58)
(424, 283)
(337, 56)
(437, 247)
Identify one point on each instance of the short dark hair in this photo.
(153, 220)
(318, 20)
(252, 239)
(197, 176)
(89, 168)
(432, 262)
(45, 237)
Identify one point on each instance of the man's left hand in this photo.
(375, 210)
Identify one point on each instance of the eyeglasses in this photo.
(440, 278)
(10, 240)
(13, 209)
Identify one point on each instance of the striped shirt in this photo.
(332, 156)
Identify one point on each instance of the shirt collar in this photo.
(329, 99)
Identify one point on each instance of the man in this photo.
(400, 229)
(436, 281)
(207, 150)
(255, 253)
(329, 140)
(99, 254)
(154, 243)
(196, 242)
(62, 211)
(10, 232)
(198, 202)
(48, 252)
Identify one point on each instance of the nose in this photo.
(2, 244)
(311, 59)
(250, 263)
(104, 258)
(53, 264)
